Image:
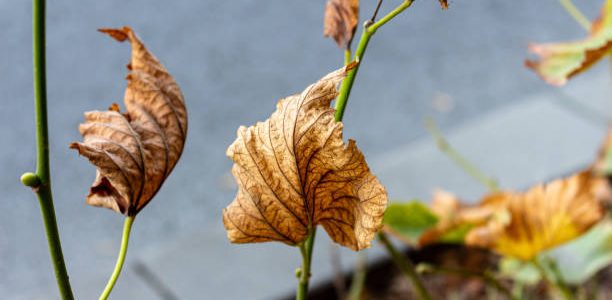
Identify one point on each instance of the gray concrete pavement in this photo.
(233, 60)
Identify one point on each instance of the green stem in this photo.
(558, 284)
(41, 181)
(484, 276)
(127, 228)
(304, 272)
(463, 163)
(359, 278)
(406, 266)
(368, 31)
(576, 14)
(347, 57)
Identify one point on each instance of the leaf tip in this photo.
(119, 34)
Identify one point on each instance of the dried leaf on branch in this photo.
(135, 151)
(294, 172)
(560, 61)
(341, 18)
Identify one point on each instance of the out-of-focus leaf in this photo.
(135, 152)
(294, 172)
(560, 61)
(456, 219)
(444, 4)
(603, 163)
(519, 271)
(585, 256)
(340, 22)
(545, 216)
(456, 235)
(408, 220)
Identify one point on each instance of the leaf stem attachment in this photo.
(304, 272)
(127, 228)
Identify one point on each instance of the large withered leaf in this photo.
(294, 172)
(545, 216)
(340, 22)
(560, 61)
(134, 152)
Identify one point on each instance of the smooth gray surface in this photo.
(233, 60)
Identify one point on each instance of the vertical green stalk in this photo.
(303, 273)
(556, 283)
(127, 228)
(368, 31)
(41, 181)
(406, 266)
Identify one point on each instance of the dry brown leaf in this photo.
(560, 61)
(341, 18)
(135, 152)
(444, 4)
(452, 214)
(545, 216)
(294, 172)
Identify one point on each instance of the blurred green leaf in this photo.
(410, 219)
(608, 163)
(456, 235)
(519, 271)
(582, 258)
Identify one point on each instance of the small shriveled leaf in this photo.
(341, 18)
(408, 221)
(545, 216)
(444, 4)
(294, 172)
(134, 152)
(560, 61)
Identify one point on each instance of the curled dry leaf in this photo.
(545, 216)
(134, 152)
(294, 172)
(341, 18)
(560, 61)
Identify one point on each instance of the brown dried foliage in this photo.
(134, 152)
(341, 18)
(294, 172)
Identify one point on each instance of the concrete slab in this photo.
(519, 145)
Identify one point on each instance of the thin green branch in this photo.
(347, 56)
(41, 181)
(485, 276)
(463, 163)
(569, 6)
(303, 273)
(368, 31)
(556, 283)
(125, 239)
(406, 266)
(359, 277)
